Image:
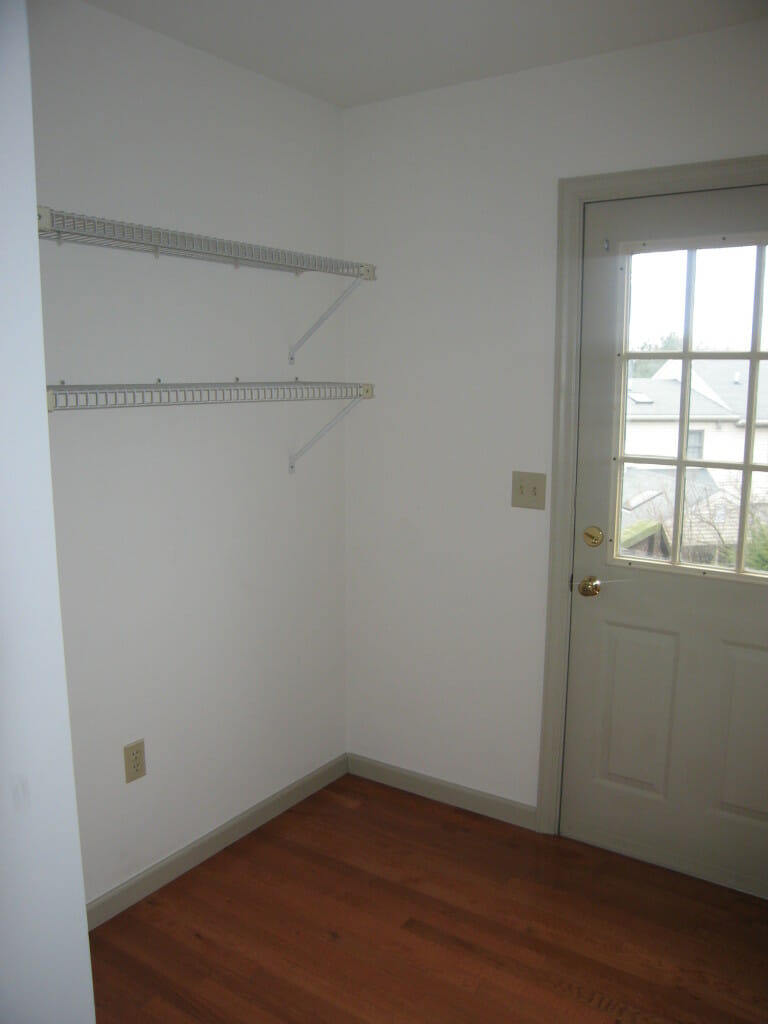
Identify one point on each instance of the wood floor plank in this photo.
(566, 865)
(545, 965)
(469, 944)
(449, 883)
(446, 880)
(116, 993)
(325, 942)
(250, 960)
(254, 940)
(365, 905)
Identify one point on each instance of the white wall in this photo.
(44, 964)
(201, 585)
(453, 194)
(203, 589)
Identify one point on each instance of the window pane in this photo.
(647, 511)
(764, 331)
(761, 419)
(756, 541)
(711, 516)
(652, 409)
(695, 448)
(657, 301)
(719, 393)
(723, 303)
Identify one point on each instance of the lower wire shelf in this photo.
(76, 397)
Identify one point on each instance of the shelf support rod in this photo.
(321, 320)
(293, 459)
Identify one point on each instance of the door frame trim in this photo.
(573, 196)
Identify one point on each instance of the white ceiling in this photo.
(357, 51)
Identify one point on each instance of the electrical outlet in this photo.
(529, 490)
(135, 761)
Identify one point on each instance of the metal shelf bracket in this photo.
(321, 320)
(366, 391)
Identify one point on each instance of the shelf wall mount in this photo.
(114, 234)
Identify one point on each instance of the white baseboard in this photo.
(149, 881)
(445, 792)
(146, 882)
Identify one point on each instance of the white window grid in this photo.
(756, 357)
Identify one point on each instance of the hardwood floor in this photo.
(366, 904)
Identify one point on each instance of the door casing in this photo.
(574, 195)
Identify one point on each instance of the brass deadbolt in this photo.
(593, 536)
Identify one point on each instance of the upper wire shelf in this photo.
(79, 227)
(71, 397)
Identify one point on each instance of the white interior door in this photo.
(666, 749)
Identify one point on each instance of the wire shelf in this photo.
(74, 397)
(79, 227)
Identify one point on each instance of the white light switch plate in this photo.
(529, 490)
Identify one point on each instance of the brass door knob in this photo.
(589, 586)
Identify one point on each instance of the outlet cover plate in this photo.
(529, 490)
(135, 761)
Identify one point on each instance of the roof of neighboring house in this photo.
(711, 508)
(718, 392)
(644, 486)
(634, 535)
(648, 496)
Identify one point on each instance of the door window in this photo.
(692, 480)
